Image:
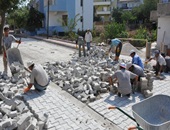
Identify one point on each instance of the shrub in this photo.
(114, 30)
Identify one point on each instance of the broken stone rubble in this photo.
(89, 75)
(14, 113)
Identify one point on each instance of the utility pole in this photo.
(82, 4)
(48, 4)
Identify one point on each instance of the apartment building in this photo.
(65, 10)
(162, 17)
(128, 4)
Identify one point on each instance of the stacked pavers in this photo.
(14, 112)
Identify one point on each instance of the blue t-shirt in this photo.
(115, 42)
(137, 60)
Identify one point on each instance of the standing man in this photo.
(123, 76)
(39, 77)
(118, 44)
(160, 63)
(80, 42)
(136, 59)
(7, 40)
(88, 39)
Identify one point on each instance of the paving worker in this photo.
(38, 77)
(123, 76)
(136, 59)
(80, 42)
(160, 63)
(118, 44)
(88, 39)
(7, 40)
(136, 70)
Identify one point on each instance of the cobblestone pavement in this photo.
(121, 120)
(63, 113)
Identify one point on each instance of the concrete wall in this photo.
(163, 25)
(88, 14)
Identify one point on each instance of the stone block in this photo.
(20, 107)
(33, 123)
(40, 125)
(92, 97)
(147, 93)
(5, 124)
(96, 86)
(24, 121)
(103, 90)
(13, 114)
(113, 89)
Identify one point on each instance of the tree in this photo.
(128, 17)
(7, 6)
(116, 14)
(18, 18)
(34, 20)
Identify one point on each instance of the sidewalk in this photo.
(65, 112)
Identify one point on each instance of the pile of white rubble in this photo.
(87, 77)
(15, 112)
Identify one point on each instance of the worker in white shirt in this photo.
(88, 39)
(160, 63)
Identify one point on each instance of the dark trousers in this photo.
(157, 68)
(118, 49)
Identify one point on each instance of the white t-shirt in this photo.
(160, 60)
(88, 37)
(39, 75)
(7, 41)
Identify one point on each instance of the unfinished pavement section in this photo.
(65, 112)
(121, 120)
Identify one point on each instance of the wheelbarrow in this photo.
(150, 114)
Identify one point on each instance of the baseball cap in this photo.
(123, 65)
(157, 52)
(132, 51)
(30, 63)
(128, 65)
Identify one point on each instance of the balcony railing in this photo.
(163, 9)
(102, 2)
(101, 12)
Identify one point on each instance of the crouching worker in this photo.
(124, 84)
(136, 70)
(38, 77)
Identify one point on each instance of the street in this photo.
(41, 52)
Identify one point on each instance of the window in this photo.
(65, 20)
(81, 3)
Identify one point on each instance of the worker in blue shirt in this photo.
(118, 44)
(136, 59)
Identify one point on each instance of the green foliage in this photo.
(114, 30)
(141, 33)
(102, 37)
(18, 18)
(34, 20)
(70, 25)
(128, 17)
(116, 14)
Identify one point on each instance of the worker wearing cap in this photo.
(38, 78)
(160, 63)
(88, 39)
(138, 71)
(136, 59)
(7, 40)
(123, 76)
(118, 44)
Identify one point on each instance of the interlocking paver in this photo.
(159, 87)
(63, 114)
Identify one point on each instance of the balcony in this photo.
(163, 9)
(101, 2)
(102, 12)
(153, 15)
